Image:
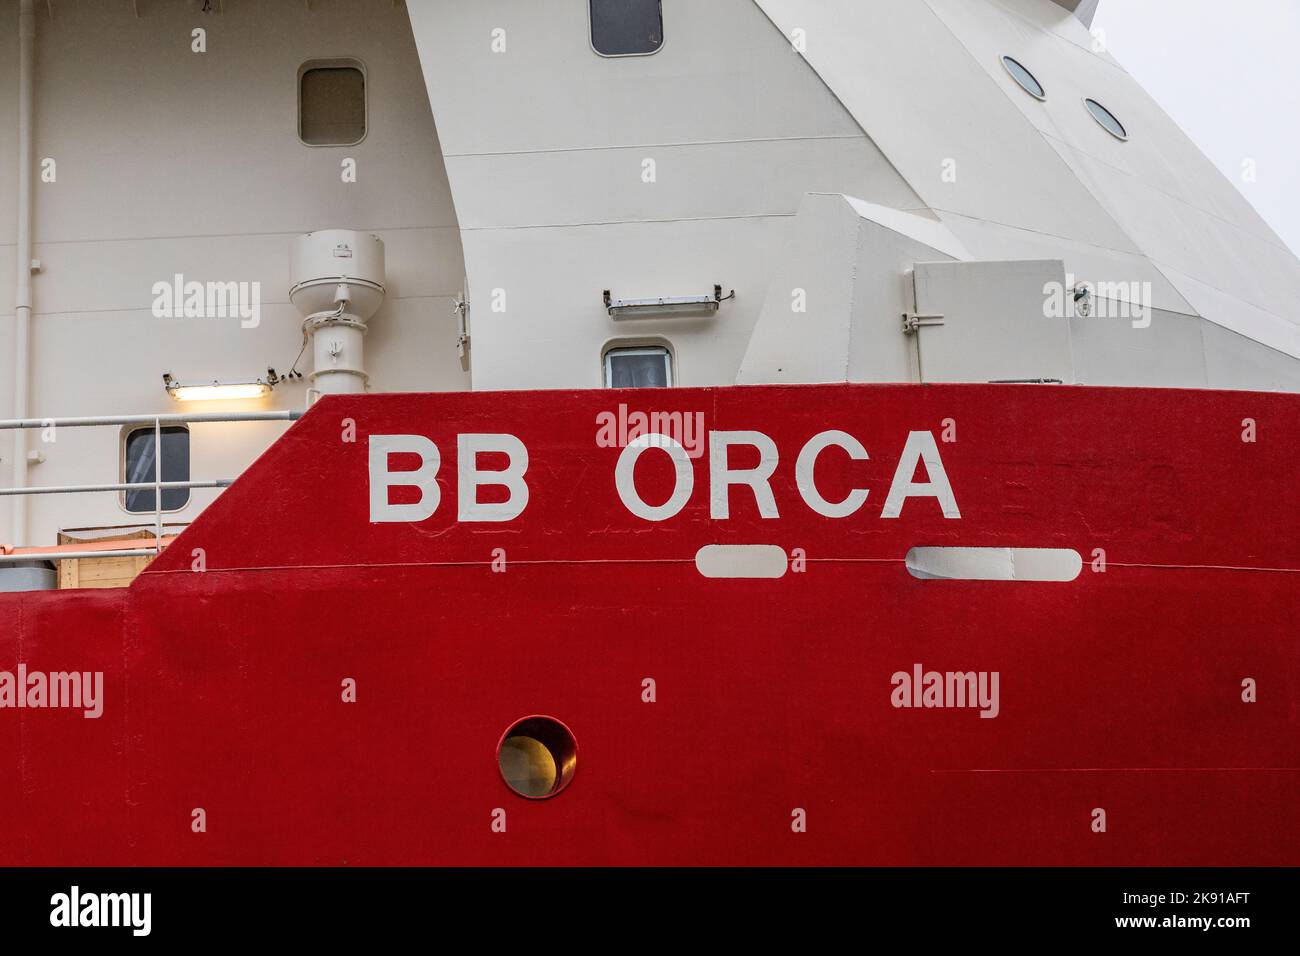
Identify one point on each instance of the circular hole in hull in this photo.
(537, 757)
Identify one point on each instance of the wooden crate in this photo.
(103, 572)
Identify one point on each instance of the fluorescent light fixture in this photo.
(215, 391)
(218, 392)
(666, 305)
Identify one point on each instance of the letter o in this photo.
(625, 477)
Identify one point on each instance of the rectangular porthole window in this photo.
(138, 467)
(331, 102)
(650, 367)
(626, 27)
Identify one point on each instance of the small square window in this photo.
(650, 367)
(626, 27)
(138, 467)
(331, 103)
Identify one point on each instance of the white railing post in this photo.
(157, 485)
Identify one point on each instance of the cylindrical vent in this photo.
(338, 285)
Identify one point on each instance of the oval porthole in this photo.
(1107, 119)
(537, 757)
(1028, 82)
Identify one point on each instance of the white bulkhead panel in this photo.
(991, 324)
(650, 176)
(834, 309)
(1040, 177)
(171, 161)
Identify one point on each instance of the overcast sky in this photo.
(1228, 71)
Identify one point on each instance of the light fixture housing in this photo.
(666, 305)
(216, 391)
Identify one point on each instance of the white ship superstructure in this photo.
(568, 193)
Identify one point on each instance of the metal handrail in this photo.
(73, 555)
(172, 419)
(157, 485)
(127, 486)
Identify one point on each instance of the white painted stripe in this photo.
(995, 564)
(741, 561)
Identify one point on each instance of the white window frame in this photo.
(1088, 101)
(591, 38)
(663, 350)
(1041, 97)
(127, 432)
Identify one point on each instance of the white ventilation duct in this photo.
(338, 285)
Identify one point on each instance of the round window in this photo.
(1028, 82)
(1107, 119)
(537, 757)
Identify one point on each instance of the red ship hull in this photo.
(774, 736)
